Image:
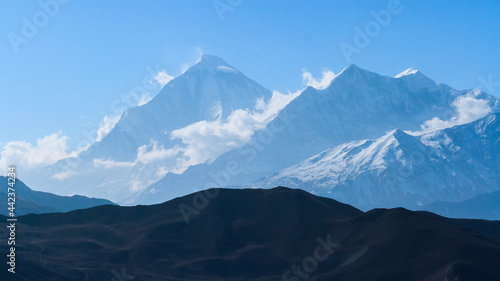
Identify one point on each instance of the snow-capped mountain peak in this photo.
(409, 71)
(398, 169)
(357, 105)
(209, 91)
(353, 72)
(211, 64)
(415, 78)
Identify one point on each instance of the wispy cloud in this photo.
(153, 152)
(146, 154)
(326, 79)
(48, 150)
(162, 78)
(64, 175)
(206, 140)
(107, 124)
(144, 99)
(109, 164)
(467, 109)
(184, 67)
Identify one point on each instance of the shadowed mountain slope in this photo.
(253, 234)
(31, 201)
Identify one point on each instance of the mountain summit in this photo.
(400, 170)
(138, 161)
(211, 64)
(357, 105)
(209, 90)
(409, 71)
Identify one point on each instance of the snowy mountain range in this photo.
(367, 139)
(155, 138)
(358, 104)
(398, 169)
(209, 90)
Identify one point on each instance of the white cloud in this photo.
(184, 67)
(80, 149)
(162, 78)
(146, 154)
(144, 99)
(470, 109)
(162, 171)
(467, 108)
(64, 175)
(216, 110)
(324, 82)
(107, 124)
(194, 57)
(48, 150)
(154, 152)
(109, 164)
(137, 185)
(206, 140)
(198, 52)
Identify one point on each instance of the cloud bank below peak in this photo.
(468, 109)
(206, 140)
(325, 80)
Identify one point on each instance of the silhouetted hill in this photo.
(253, 234)
(36, 202)
(483, 206)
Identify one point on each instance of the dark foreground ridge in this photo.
(252, 234)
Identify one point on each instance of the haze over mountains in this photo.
(484, 206)
(149, 140)
(213, 127)
(209, 90)
(358, 104)
(367, 140)
(29, 201)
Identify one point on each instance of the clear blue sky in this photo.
(90, 53)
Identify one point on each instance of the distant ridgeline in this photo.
(30, 201)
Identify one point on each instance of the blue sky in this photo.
(88, 54)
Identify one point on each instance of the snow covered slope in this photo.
(358, 104)
(208, 90)
(398, 169)
(141, 148)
